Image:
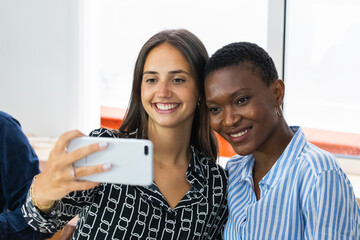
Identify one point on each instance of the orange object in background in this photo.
(225, 148)
(334, 142)
(111, 117)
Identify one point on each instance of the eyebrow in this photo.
(179, 71)
(232, 95)
(239, 91)
(170, 73)
(150, 72)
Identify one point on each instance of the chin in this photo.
(242, 150)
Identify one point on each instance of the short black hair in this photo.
(243, 52)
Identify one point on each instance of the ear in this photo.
(279, 91)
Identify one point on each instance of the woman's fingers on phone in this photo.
(64, 139)
(83, 185)
(90, 170)
(84, 151)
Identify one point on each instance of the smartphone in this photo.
(131, 159)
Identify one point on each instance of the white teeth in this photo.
(165, 107)
(239, 133)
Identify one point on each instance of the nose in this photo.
(231, 117)
(163, 90)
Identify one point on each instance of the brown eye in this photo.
(214, 109)
(242, 100)
(178, 80)
(150, 80)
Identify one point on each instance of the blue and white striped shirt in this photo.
(305, 195)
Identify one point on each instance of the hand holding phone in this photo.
(131, 159)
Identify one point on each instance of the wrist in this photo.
(43, 206)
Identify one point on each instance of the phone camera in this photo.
(146, 150)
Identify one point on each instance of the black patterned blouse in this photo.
(113, 211)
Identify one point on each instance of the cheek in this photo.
(144, 93)
(214, 123)
(263, 114)
(192, 95)
(255, 111)
(142, 97)
(145, 98)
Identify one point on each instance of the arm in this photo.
(331, 211)
(60, 214)
(57, 196)
(11, 222)
(19, 164)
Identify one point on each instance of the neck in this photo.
(268, 153)
(171, 145)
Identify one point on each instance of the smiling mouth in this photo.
(165, 107)
(239, 134)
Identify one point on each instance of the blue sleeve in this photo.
(18, 165)
(331, 210)
(13, 220)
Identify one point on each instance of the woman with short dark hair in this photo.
(280, 185)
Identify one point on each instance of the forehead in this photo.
(243, 73)
(231, 79)
(165, 56)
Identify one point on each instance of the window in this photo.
(322, 75)
(124, 26)
(322, 64)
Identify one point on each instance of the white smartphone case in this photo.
(131, 159)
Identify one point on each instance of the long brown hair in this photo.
(194, 51)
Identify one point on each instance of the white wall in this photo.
(125, 27)
(40, 66)
(322, 67)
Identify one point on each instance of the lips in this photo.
(166, 106)
(238, 135)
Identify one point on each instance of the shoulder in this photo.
(236, 162)
(320, 168)
(310, 157)
(7, 121)
(4, 115)
(318, 160)
(104, 132)
(12, 136)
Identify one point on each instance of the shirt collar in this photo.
(245, 164)
(244, 171)
(287, 158)
(195, 173)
